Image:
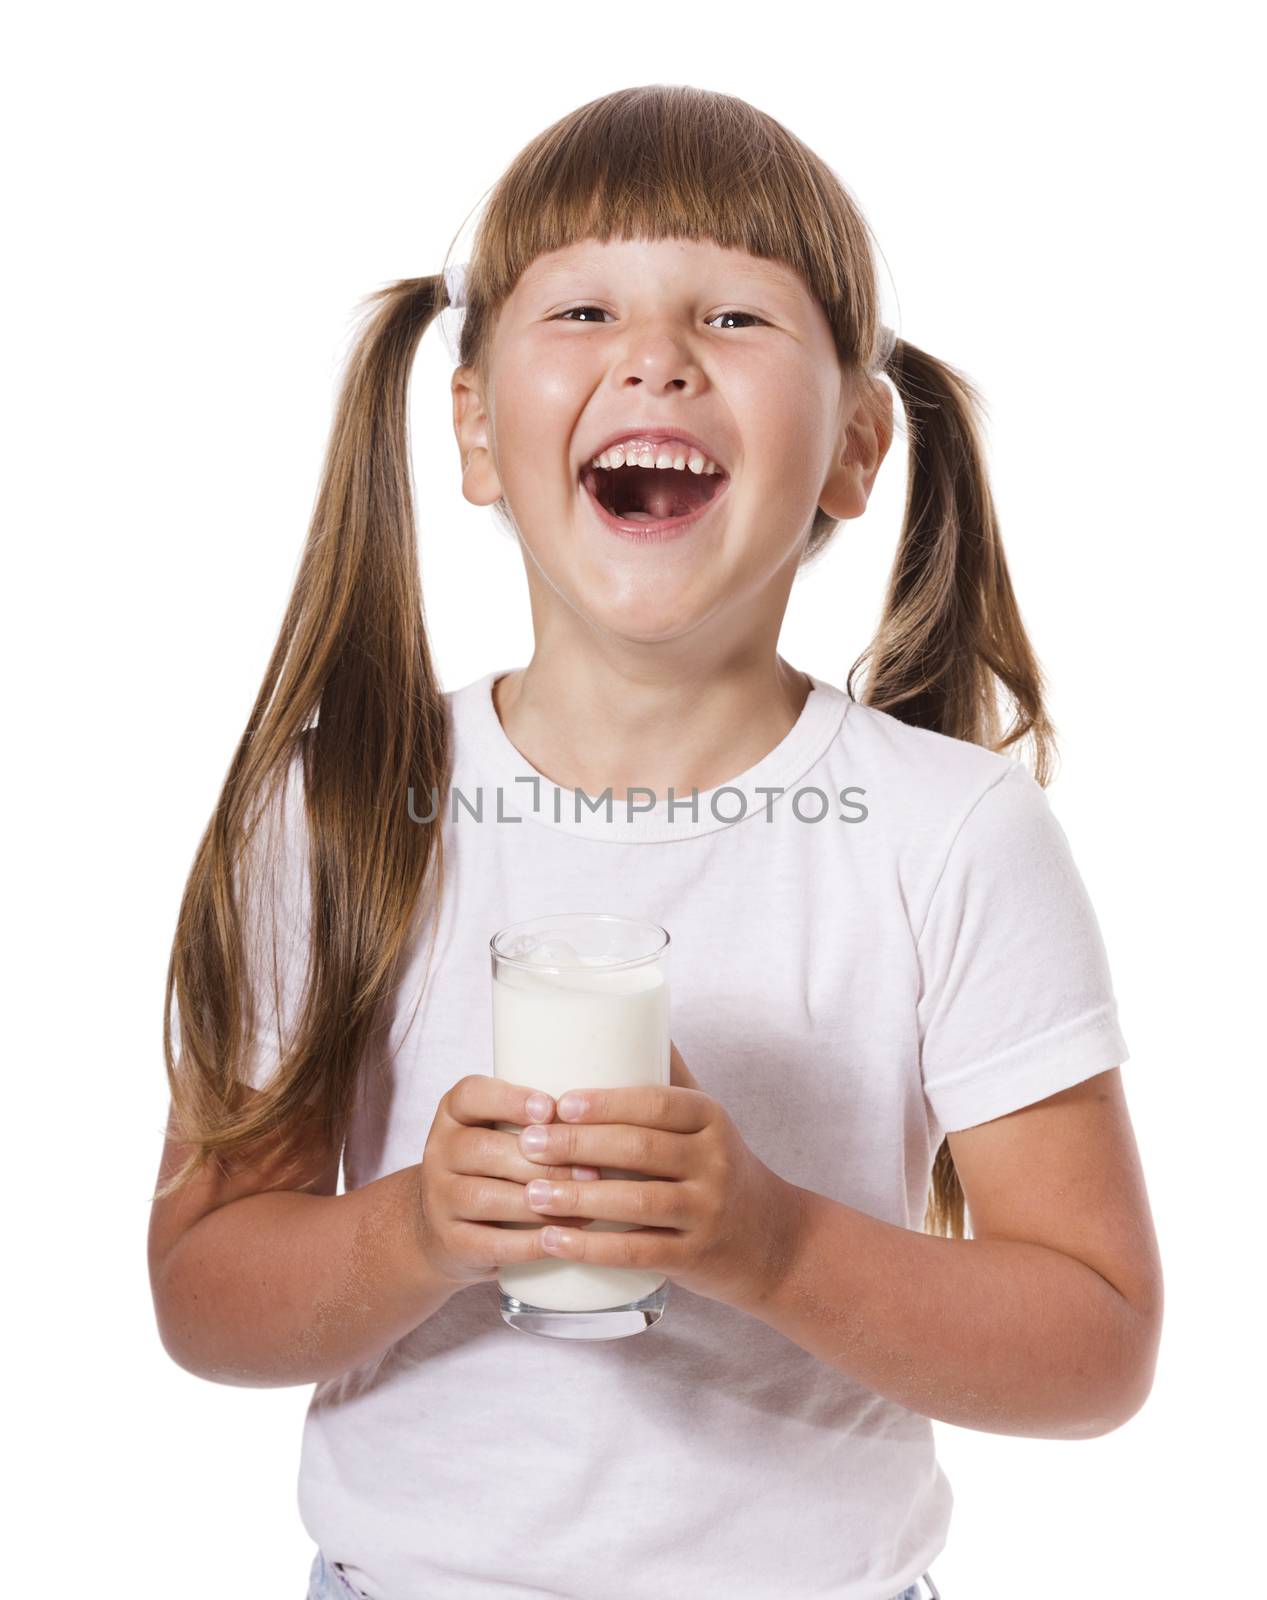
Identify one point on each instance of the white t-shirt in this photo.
(896, 944)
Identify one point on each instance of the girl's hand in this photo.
(472, 1176)
(712, 1217)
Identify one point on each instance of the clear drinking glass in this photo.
(580, 1000)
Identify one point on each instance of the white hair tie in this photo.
(455, 284)
(885, 345)
(455, 292)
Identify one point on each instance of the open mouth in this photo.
(651, 499)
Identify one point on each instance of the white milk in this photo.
(574, 1029)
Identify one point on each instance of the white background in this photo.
(198, 199)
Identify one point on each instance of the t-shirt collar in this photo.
(486, 753)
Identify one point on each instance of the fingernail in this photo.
(582, 1174)
(534, 1138)
(538, 1107)
(540, 1193)
(573, 1105)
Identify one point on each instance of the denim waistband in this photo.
(326, 1581)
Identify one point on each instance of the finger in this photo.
(671, 1107)
(504, 1246)
(478, 1099)
(555, 1174)
(645, 1204)
(645, 1248)
(635, 1151)
(480, 1198)
(488, 1151)
(562, 1174)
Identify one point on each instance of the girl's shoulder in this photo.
(904, 757)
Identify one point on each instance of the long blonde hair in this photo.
(351, 698)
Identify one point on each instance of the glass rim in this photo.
(572, 916)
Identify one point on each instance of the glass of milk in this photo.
(580, 1000)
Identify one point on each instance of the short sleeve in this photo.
(276, 919)
(1016, 998)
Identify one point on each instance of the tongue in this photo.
(655, 494)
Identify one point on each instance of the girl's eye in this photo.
(563, 315)
(748, 314)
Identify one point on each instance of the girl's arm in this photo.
(265, 1287)
(1045, 1323)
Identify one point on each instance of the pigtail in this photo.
(351, 703)
(951, 632)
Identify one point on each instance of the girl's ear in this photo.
(865, 437)
(480, 483)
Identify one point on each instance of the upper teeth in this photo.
(664, 453)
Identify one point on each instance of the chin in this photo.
(645, 623)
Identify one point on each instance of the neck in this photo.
(605, 723)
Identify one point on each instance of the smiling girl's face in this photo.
(598, 340)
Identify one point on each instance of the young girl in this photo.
(890, 993)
